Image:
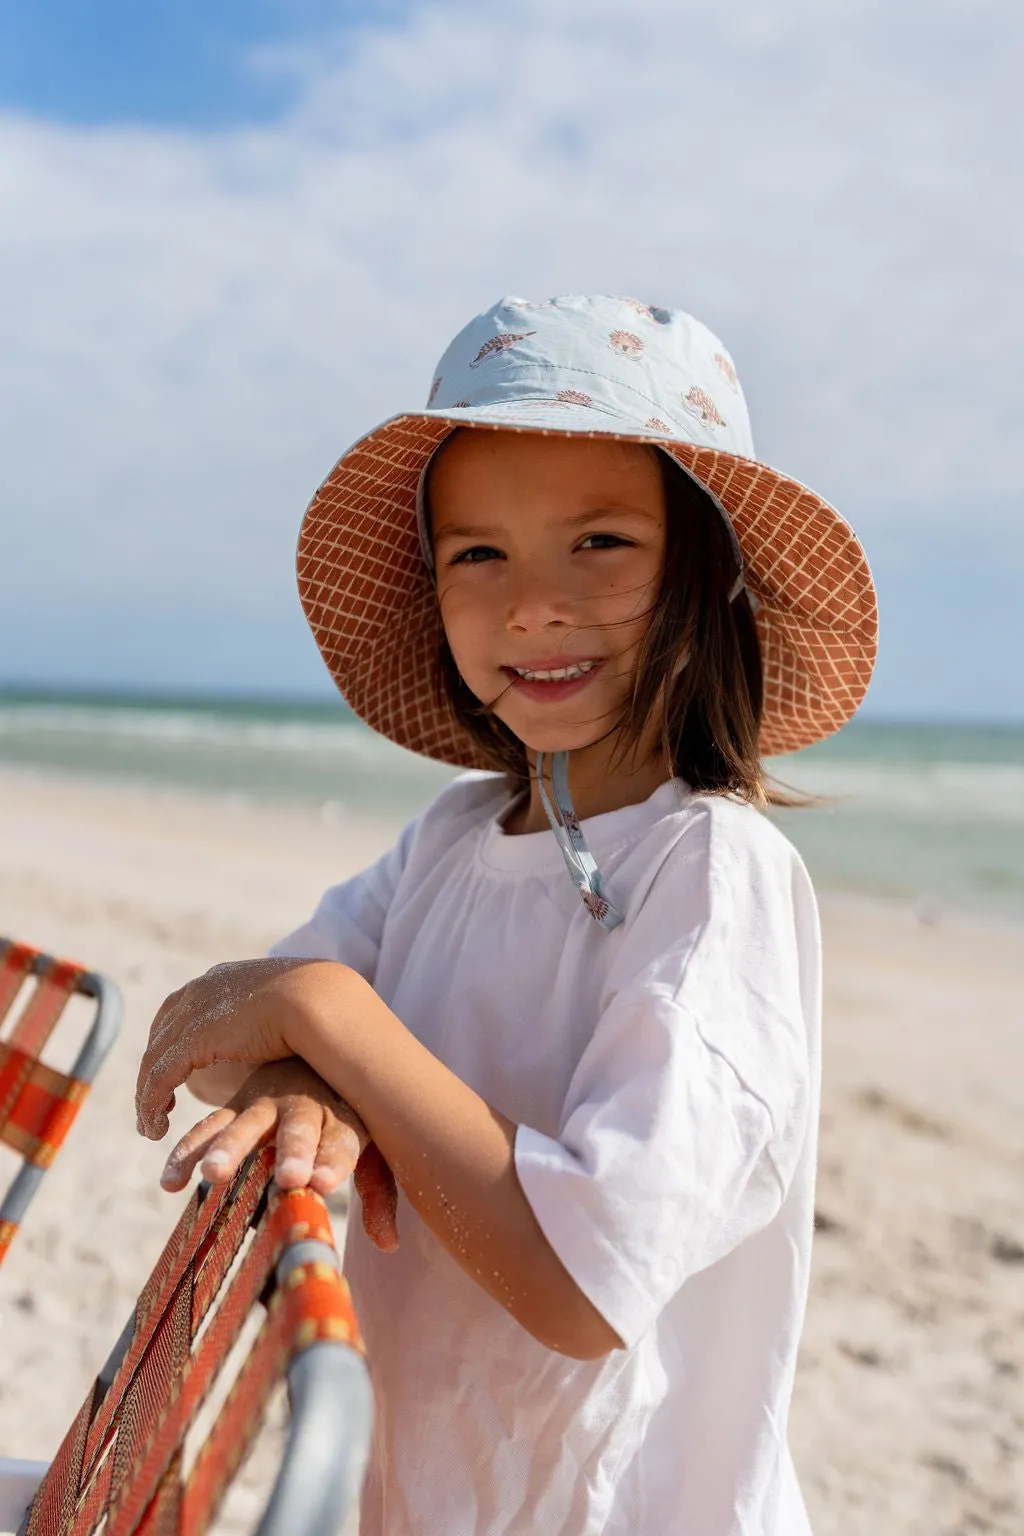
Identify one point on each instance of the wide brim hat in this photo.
(591, 367)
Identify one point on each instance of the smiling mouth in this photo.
(566, 674)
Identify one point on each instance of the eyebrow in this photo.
(578, 519)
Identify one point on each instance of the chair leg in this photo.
(18, 1483)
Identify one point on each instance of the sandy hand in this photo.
(244, 1011)
(319, 1141)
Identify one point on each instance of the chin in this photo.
(555, 737)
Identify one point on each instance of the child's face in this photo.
(549, 553)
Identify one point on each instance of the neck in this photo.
(597, 785)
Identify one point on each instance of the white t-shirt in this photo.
(665, 1081)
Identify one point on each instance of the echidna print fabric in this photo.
(699, 403)
(609, 364)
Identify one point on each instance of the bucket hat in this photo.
(594, 367)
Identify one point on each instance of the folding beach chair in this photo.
(37, 1103)
(157, 1442)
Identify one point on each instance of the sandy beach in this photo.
(909, 1408)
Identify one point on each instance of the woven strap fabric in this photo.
(163, 1515)
(291, 1218)
(120, 1467)
(55, 980)
(194, 1238)
(154, 1385)
(91, 1509)
(16, 962)
(38, 1105)
(170, 1423)
(54, 1504)
(75, 1495)
(314, 1304)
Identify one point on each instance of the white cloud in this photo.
(194, 325)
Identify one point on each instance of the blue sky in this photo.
(233, 236)
(192, 63)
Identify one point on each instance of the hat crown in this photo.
(660, 370)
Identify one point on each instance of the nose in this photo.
(536, 603)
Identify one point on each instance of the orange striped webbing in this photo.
(37, 1103)
(122, 1460)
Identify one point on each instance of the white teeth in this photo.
(562, 675)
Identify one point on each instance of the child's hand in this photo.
(248, 1011)
(320, 1140)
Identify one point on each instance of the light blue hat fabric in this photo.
(593, 364)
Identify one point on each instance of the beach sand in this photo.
(909, 1407)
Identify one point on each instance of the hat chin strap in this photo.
(565, 824)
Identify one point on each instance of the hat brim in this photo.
(370, 602)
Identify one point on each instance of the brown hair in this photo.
(710, 713)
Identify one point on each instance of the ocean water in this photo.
(929, 813)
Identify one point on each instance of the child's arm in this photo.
(453, 1156)
(451, 1152)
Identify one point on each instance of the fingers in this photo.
(319, 1139)
(299, 1137)
(221, 1143)
(378, 1192)
(159, 1076)
(337, 1154)
(165, 1065)
(192, 1146)
(250, 1128)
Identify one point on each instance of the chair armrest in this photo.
(18, 1483)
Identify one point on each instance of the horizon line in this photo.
(183, 694)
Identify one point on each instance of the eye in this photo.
(476, 555)
(605, 541)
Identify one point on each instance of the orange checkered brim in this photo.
(370, 602)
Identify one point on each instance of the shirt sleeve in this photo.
(348, 923)
(689, 1107)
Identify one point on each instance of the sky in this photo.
(236, 234)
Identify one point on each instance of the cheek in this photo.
(627, 598)
(464, 617)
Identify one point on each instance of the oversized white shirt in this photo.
(665, 1081)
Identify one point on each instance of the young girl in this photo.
(600, 1113)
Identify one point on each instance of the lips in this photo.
(552, 680)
